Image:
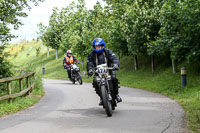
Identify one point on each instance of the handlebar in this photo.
(109, 68)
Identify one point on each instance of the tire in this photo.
(114, 103)
(73, 79)
(106, 103)
(80, 79)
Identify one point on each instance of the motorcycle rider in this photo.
(68, 60)
(101, 55)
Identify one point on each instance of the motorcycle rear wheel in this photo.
(80, 79)
(106, 102)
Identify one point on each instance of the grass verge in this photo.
(23, 102)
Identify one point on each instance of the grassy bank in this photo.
(162, 81)
(19, 55)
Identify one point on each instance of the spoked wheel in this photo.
(106, 102)
(73, 81)
(80, 79)
(114, 103)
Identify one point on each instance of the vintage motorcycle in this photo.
(106, 89)
(76, 75)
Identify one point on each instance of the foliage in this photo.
(131, 27)
(10, 13)
(38, 51)
(5, 66)
(180, 29)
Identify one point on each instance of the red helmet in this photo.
(69, 52)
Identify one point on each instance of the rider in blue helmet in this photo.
(98, 45)
(101, 55)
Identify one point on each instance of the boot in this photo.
(118, 98)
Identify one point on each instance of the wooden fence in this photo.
(29, 85)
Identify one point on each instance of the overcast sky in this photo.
(41, 13)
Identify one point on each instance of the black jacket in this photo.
(110, 56)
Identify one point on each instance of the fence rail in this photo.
(29, 88)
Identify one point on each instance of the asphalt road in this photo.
(68, 108)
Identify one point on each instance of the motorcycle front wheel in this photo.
(106, 102)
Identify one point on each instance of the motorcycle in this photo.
(76, 75)
(106, 89)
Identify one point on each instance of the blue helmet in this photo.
(98, 42)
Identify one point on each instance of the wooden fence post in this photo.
(9, 90)
(29, 79)
(136, 62)
(27, 83)
(20, 84)
(152, 63)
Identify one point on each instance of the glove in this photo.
(115, 66)
(65, 67)
(78, 63)
(90, 72)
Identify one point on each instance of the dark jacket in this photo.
(110, 56)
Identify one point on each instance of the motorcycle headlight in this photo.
(109, 77)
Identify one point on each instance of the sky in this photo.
(41, 13)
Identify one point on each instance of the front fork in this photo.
(106, 83)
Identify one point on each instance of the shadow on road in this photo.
(66, 83)
(90, 112)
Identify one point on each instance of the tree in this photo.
(10, 13)
(180, 30)
(51, 35)
(115, 26)
(5, 66)
(79, 28)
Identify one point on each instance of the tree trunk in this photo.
(152, 63)
(136, 62)
(82, 59)
(47, 52)
(174, 67)
(56, 54)
(119, 55)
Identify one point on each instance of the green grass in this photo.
(166, 83)
(23, 102)
(20, 103)
(162, 81)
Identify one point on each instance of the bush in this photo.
(5, 67)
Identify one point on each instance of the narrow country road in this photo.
(68, 108)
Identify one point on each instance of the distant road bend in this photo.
(68, 108)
